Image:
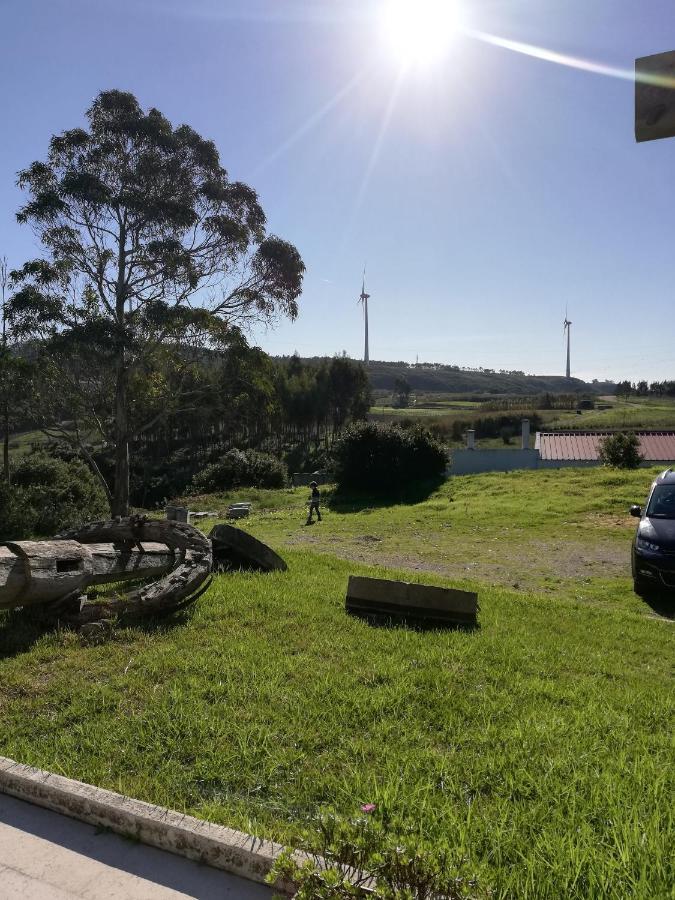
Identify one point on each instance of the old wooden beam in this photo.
(35, 572)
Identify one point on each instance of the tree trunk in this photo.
(5, 443)
(120, 504)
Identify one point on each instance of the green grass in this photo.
(424, 410)
(538, 747)
(637, 413)
(22, 442)
(549, 530)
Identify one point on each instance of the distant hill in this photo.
(441, 379)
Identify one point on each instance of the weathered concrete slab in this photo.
(238, 511)
(237, 549)
(177, 514)
(415, 603)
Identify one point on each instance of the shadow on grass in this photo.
(21, 629)
(661, 602)
(412, 624)
(405, 495)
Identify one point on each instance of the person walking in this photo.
(314, 501)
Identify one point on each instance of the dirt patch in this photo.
(614, 523)
(525, 565)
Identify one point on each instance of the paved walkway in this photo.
(46, 856)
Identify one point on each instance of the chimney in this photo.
(526, 434)
(471, 439)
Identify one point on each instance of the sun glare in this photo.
(419, 31)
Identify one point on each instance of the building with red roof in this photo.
(568, 447)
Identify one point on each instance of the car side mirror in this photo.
(636, 511)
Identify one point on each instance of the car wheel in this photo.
(641, 587)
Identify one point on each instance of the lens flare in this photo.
(419, 31)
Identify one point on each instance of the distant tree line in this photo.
(198, 410)
(645, 389)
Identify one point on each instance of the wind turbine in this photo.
(364, 298)
(567, 328)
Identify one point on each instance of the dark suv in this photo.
(653, 556)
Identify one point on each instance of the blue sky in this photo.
(486, 191)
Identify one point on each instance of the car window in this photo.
(662, 502)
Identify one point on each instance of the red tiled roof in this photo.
(655, 446)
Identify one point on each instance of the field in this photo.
(635, 413)
(539, 747)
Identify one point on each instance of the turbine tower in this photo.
(566, 328)
(364, 298)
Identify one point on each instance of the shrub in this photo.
(15, 522)
(47, 495)
(381, 457)
(240, 468)
(621, 451)
(366, 858)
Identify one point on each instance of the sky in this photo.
(487, 190)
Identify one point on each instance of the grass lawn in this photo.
(22, 442)
(539, 747)
(636, 413)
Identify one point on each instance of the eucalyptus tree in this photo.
(4, 373)
(168, 253)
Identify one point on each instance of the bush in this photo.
(621, 451)
(240, 468)
(367, 858)
(47, 495)
(15, 522)
(381, 457)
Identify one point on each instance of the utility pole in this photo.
(5, 364)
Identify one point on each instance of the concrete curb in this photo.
(214, 845)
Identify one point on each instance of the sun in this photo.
(419, 31)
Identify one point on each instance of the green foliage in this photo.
(402, 391)
(384, 457)
(240, 468)
(494, 426)
(48, 495)
(620, 450)
(434, 377)
(371, 855)
(135, 217)
(15, 517)
(324, 397)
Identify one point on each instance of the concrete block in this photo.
(177, 513)
(238, 511)
(416, 603)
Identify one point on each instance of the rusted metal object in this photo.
(55, 574)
